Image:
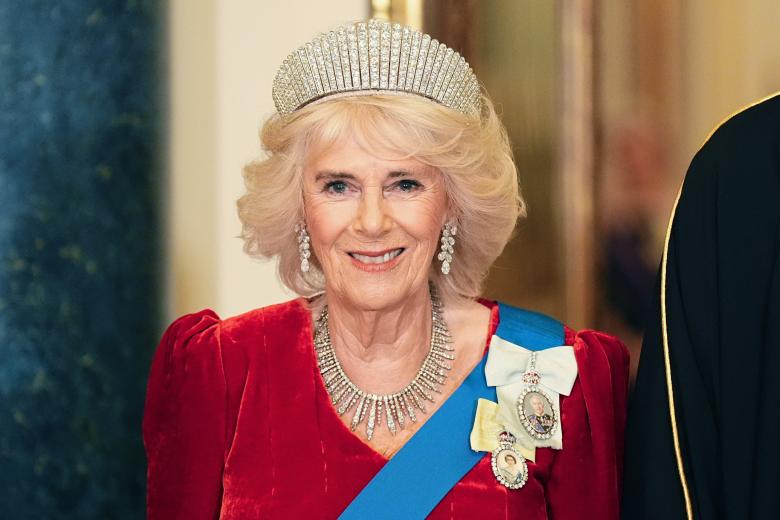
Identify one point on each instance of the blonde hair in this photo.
(472, 152)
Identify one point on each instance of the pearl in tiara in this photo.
(376, 57)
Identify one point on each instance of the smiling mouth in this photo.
(379, 257)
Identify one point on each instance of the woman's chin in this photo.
(376, 298)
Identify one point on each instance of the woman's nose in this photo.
(373, 218)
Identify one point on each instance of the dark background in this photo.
(80, 258)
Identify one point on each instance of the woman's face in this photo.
(374, 223)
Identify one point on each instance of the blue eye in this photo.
(408, 185)
(339, 187)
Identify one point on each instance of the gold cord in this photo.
(665, 333)
(668, 367)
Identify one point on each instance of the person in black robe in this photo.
(714, 452)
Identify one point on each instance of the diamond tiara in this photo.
(376, 57)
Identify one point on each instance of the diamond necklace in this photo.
(345, 394)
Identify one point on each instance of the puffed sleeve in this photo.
(184, 425)
(585, 477)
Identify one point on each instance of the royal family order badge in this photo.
(509, 466)
(534, 406)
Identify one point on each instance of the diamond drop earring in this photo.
(303, 246)
(447, 249)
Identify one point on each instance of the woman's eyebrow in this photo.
(330, 175)
(401, 173)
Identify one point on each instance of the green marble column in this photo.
(81, 119)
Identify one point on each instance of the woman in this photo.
(704, 421)
(388, 191)
(510, 469)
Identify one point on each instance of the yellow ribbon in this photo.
(484, 434)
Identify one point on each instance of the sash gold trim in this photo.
(665, 333)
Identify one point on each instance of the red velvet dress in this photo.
(238, 425)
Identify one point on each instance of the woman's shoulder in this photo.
(225, 347)
(207, 324)
(602, 379)
(597, 346)
(592, 348)
(202, 357)
(272, 319)
(582, 339)
(188, 337)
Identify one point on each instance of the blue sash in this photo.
(436, 457)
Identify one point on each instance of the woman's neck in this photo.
(381, 350)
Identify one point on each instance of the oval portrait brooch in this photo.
(534, 406)
(509, 466)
